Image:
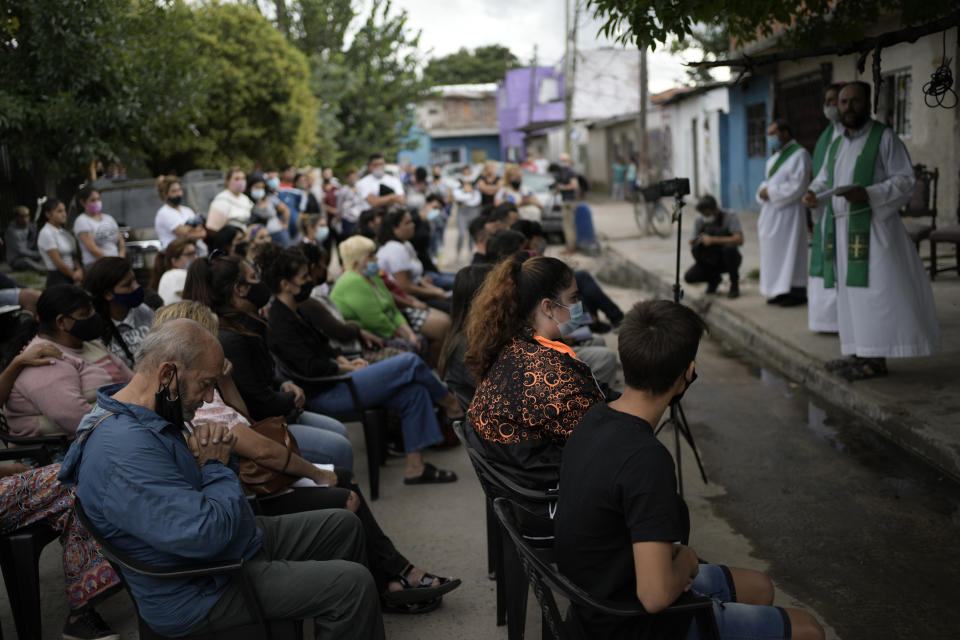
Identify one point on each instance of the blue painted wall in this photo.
(743, 174)
(419, 154)
(489, 144)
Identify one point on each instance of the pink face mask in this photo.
(237, 186)
(93, 208)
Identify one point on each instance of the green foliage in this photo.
(380, 85)
(711, 40)
(484, 64)
(813, 21)
(259, 109)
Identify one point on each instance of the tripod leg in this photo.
(688, 435)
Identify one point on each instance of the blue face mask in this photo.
(371, 269)
(129, 300)
(773, 142)
(433, 214)
(576, 318)
(321, 234)
(273, 183)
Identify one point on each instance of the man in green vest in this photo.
(822, 302)
(884, 300)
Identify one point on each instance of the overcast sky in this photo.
(446, 26)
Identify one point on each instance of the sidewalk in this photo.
(917, 406)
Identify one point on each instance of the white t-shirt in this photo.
(60, 239)
(171, 285)
(168, 219)
(394, 257)
(104, 233)
(369, 185)
(228, 208)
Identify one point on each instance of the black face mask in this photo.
(516, 185)
(259, 295)
(175, 201)
(679, 396)
(87, 329)
(170, 410)
(305, 290)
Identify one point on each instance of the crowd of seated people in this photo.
(240, 317)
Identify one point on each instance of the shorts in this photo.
(416, 317)
(736, 620)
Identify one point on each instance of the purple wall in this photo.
(513, 105)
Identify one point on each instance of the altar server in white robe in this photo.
(782, 227)
(884, 301)
(822, 302)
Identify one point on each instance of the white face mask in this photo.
(378, 173)
(832, 113)
(709, 219)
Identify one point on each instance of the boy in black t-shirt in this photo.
(621, 527)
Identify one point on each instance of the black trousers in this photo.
(385, 561)
(712, 262)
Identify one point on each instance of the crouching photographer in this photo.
(716, 236)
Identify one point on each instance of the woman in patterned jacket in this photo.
(533, 389)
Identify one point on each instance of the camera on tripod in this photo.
(673, 188)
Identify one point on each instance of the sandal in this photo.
(864, 369)
(411, 608)
(420, 593)
(432, 475)
(833, 366)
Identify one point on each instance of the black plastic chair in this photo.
(922, 204)
(546, 580)
(945, 235)
(269, 629)
(49, 446)
(373, 419)
(502, 561)
(20, 557)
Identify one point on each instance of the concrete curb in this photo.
(894, 423)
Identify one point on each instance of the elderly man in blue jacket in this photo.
(167, 498)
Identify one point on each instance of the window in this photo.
(893, 104)
(757, 130)
(549, 91)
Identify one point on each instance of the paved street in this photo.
(846, 524)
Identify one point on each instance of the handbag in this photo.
(255, 477)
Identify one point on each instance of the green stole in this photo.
(820, 151)
(819, 154)
(823, 261)
(792, 147)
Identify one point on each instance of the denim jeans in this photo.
(403, 383)
(594, 298)
(323, 440)
(442, 279)
(736, 621)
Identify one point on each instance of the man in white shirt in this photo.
(884, 300)
(378, 188)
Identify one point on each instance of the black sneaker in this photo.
(712, 287)
(88, 626)
(734, 291)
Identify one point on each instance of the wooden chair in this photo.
(259, 629)
(546, 580)
(945, 235)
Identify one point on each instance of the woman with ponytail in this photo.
(118, 299)
(57, 246)
(533, 389)
(170, 269)
(98, 232)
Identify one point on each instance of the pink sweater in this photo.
(51, 400)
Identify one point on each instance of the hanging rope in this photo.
(939, 91)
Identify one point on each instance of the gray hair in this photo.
(182, 340)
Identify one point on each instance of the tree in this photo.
(711, 40)
(811, 21)
(259, 109)
(485, 64)
(68, 92)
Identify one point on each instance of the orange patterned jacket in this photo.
(529, 402)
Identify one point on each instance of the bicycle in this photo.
(651, 214)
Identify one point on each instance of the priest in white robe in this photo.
(884, 301)
(782, 227)
(822, 302)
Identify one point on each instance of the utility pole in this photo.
(533, 85)
(643, 138)
(569, 74)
